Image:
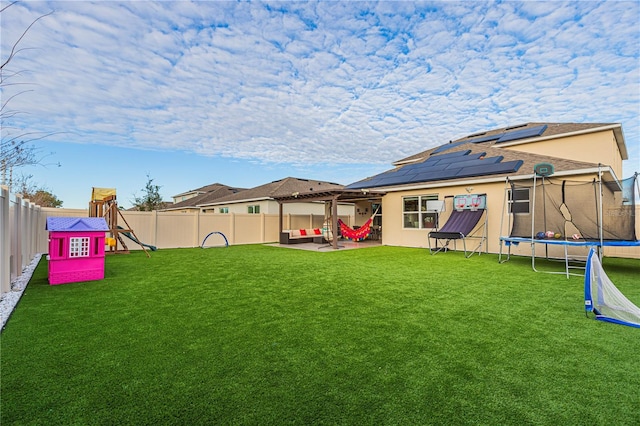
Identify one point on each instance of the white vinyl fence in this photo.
(19, 235)
(23, 230)
(187, 229)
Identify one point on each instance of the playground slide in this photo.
(135, 240)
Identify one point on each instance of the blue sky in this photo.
(244, 93)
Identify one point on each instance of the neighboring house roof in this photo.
(201, 190)
(278, 188)
(213, 192)
(76, 224)
(480, 156)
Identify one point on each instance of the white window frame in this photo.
(419, 216)
(253, 209)
(79, 247)
(223, 210)
(519, 200)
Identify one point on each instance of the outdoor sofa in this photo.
(295, 236)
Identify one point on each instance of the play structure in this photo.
(602, 297)
(569, 217)
(76, 249)
(465, 222)
(104, 204)
(214, 239)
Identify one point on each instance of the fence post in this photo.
(154, 227)
(232, 228)
(16, 238)
(197, 228)
(35, 220)
(26, 233)
(5, 241)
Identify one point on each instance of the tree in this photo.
(44, 198)
(16, 148)
(38, 195)
(151, 198)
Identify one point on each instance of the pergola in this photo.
(332, 196)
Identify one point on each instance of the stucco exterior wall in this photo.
(394, 233)
(363, 210)
(498, 223)
(597, 148)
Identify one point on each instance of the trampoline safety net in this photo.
(572, 208)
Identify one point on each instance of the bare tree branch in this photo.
(15, 45)
(16, 150)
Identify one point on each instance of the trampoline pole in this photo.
(544, 217)
(600, 216)
(505, 210)
(533, 222)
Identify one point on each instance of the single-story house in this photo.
(261, 199)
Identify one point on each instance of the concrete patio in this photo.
(326, 247)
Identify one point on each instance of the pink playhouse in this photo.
(76, 249)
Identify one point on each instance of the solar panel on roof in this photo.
(441, 167)
(435, 167)
(396, 180)
(471, 157)
(477, 162)
(412, 166)
(441, 159)
(402, 171)
(490, 169)
(485, 138)
(448, 155)
(447, 146)
(431, 175)
(524, 133)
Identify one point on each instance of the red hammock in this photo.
(355, 234)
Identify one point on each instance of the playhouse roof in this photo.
(77, 224)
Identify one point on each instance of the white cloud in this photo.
(275, 82)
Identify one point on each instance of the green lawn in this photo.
(265, 335)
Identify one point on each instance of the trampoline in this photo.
(570, 263)
(563, 216)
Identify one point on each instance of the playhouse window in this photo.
(79, 247)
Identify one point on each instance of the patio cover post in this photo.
(280, 213)
(334, 215)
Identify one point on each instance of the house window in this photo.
(415, 213)
(79, 247)
(253, 209)
(519, 201)
(223, 210)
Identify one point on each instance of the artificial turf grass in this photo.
(263, 335)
